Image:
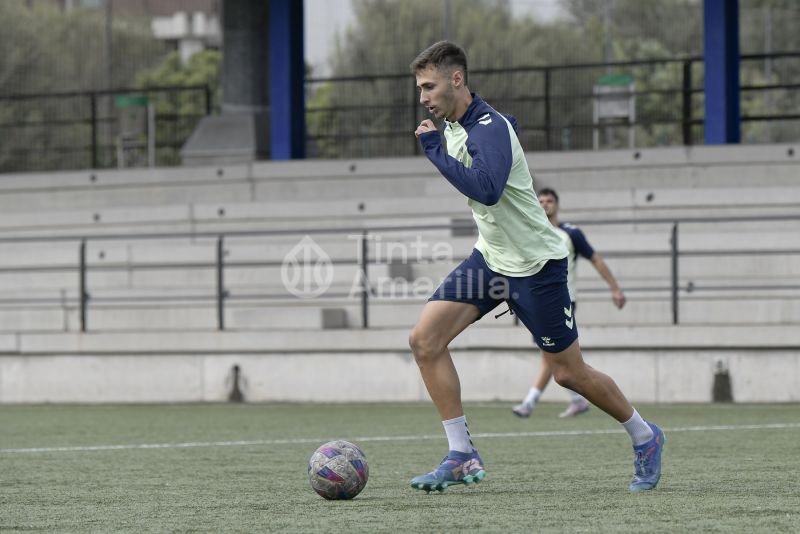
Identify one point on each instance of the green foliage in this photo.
(46, 50)
(677, 25)
(183, 108)
(376, 116)
(49, 50)
(385, 37)
(202, 68)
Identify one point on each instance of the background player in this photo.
(577, 244)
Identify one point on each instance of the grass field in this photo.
(242, 468)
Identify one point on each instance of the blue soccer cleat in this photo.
(647, 462)
(456, 468)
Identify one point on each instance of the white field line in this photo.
(300, 441)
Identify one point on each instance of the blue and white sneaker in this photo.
(456, 468)
(647, 462)
(576, 408)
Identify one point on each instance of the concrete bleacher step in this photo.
(61, 199)
(610, 178)
(716, 166)
(184, 215)
(171, 317)
(172, 282)
(275, 315)
(396, 213)
(221, 218)
(21, 319)
(696, 251)
(61, 191)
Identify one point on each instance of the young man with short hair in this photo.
(518, 258)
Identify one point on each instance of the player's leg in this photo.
(543, 305)
(441, 321)
(543, 376)
(461, 299)
(570, 371)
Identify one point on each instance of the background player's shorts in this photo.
(541, 301)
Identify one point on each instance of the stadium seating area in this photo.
(152, 254)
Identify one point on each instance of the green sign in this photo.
(615, 79)
(131, 101)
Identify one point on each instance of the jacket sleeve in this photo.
(489, 145)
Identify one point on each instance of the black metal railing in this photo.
(78, 130)
(369, 116)
(218, 296)
(365, 116)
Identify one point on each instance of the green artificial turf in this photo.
(545, 480)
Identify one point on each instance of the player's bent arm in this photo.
(491, 163)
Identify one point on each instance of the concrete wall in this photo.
(651, 364)
(644, 376)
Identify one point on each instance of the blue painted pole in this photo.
(287, 76)
(721, 59)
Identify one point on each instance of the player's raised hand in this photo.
(424, 127)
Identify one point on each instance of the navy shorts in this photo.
(541, 301)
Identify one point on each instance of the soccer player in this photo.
(519, 258)
(577, 245)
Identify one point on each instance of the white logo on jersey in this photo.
(486, 119)
(569, 321)
(547, 342)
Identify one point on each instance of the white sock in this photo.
(458, 434)
(575, 398)
(533, 397)
(639, 431)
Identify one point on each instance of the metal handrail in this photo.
(363, 260)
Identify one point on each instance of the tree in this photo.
(46, 50)
(377, 115)
(369, 114)
(182, 108)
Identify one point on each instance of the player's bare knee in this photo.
(424, 345)
(564, 377)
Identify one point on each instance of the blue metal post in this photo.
(721, 58)
(287, 76)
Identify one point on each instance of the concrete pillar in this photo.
(245, 59)
(240, 134)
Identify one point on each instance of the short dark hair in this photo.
(549, 192)
(443, 55)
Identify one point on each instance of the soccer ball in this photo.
(338, 470)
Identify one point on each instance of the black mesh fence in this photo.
(555, 106)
